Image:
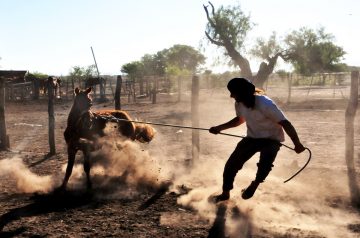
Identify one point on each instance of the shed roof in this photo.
(11, 74)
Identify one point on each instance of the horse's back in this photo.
(126, 128)
(115, 113)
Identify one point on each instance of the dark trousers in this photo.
(245, 149)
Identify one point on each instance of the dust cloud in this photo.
(314, 204)
(309, 205)
(116, 163)
(26, 180)
(126, 160)
(302, 206)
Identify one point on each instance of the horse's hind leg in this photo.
(87, 169)
(70, 165)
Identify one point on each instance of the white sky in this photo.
(52, 36)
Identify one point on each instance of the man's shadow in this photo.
(241, 222)
(44, 204)
(218, 228)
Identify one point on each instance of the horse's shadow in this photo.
(62, 201)
(44, 204)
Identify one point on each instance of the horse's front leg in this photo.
(71, 159)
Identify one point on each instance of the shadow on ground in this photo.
(43, 204)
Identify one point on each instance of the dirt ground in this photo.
(175, 202)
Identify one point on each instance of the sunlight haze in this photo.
(53, 36)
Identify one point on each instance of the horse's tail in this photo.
(144, 133)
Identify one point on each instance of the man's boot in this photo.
(249, 191)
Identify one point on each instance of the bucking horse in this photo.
(85, 126)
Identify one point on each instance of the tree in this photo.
(184, 57)
(133, 69)
(228, 27)
(36, 75)
(179, 57)
(154, 64)
(82, 73)
(312, 51)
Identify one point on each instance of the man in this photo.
(265, 123)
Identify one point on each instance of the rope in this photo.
(115, 119)
(307, 162)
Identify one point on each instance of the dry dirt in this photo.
(313, 204)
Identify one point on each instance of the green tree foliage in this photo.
(264, 48)
(78, 73)
(313, 51)
(36, 75)
(184, 57)
(154, 64)
(133, 69)
(83, 72)
(178, 59)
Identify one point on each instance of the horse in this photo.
(55, 83)
(84, 126)
(93, 81)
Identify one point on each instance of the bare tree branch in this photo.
(212, 23)
(212, 7)
(218, 43)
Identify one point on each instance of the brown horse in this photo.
(85, 126)
(54, 82)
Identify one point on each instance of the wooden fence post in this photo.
(154, 90)
(4, 143)
(51, 116)
(195, 117)
(289, 77)
(117, 97)
(179, 88)
(349, 139)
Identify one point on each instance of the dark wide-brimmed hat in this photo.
(241, 86)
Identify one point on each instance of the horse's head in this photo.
(144, 133)
(82, 101)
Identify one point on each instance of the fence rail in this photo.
(286, 87)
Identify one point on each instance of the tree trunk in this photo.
(349, 140)
(242, 62)
(141, 85)
(265, 69)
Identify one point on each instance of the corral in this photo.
(314, 204)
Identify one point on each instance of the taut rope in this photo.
(114, 119)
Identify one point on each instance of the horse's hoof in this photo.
(60, 190)
(89, 186)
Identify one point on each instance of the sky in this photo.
(52, 36)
